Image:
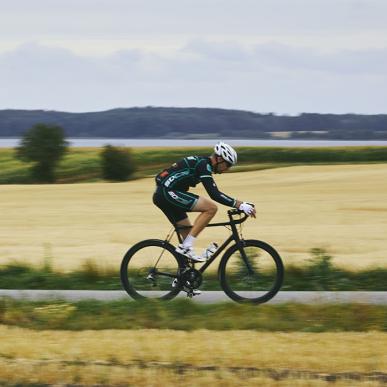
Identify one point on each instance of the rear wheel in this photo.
(251, 272)
(149, 268)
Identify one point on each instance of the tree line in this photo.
(159, 122)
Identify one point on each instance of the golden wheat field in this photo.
(152, 357)
(341, 208)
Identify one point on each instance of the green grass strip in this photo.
(84, 164)
(318, 274)
(186, 315)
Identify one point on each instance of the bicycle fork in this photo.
(245, 259)
(240, 243)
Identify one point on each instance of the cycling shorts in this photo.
(174, 204)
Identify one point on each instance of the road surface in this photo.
(207, 297)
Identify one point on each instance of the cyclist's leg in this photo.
(208, 209)
(175, 204)
(173, 209)
(186, 224)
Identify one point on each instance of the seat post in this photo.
(179, 237)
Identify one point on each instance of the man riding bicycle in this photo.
(173, 198)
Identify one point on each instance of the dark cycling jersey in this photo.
(187, 173)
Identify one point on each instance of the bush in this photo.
(117, 163)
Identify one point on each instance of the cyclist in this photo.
(173, 198)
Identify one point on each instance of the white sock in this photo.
(189, 241)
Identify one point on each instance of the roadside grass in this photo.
(183, 314)
(18, 275)
(83, 164)
(319, 274)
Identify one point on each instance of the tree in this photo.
(117, 164)
(44, 145)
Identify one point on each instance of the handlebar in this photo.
(234, 212)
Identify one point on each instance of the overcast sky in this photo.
(281, 56)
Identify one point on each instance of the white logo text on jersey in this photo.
(171, 179)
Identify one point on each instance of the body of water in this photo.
(99, 142)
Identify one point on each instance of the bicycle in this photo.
(249, 271)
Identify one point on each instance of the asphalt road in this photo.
(207, 297)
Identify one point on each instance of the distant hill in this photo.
(160, 122)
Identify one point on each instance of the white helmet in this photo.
(226, 152)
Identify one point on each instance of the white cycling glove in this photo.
(247, 208)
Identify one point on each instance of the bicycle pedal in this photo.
(175, 283)
(192, 292)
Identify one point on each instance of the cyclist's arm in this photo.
(215, 194)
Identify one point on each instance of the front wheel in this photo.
(251, 271)
(149, 268)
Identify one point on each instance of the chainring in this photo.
(190, 278)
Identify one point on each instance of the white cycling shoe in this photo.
(189, 253)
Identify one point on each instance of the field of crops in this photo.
(152, 357)
(340, 208)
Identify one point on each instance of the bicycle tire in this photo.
(128, 281)
(236, 289)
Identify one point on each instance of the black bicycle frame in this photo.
(234, 237)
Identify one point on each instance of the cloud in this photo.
(39, 64)
(222, 51)
(268, 55)
(368, 61)
(270, 77)
(200, 18)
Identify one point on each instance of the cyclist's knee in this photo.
(206, 205)
(212, 209)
